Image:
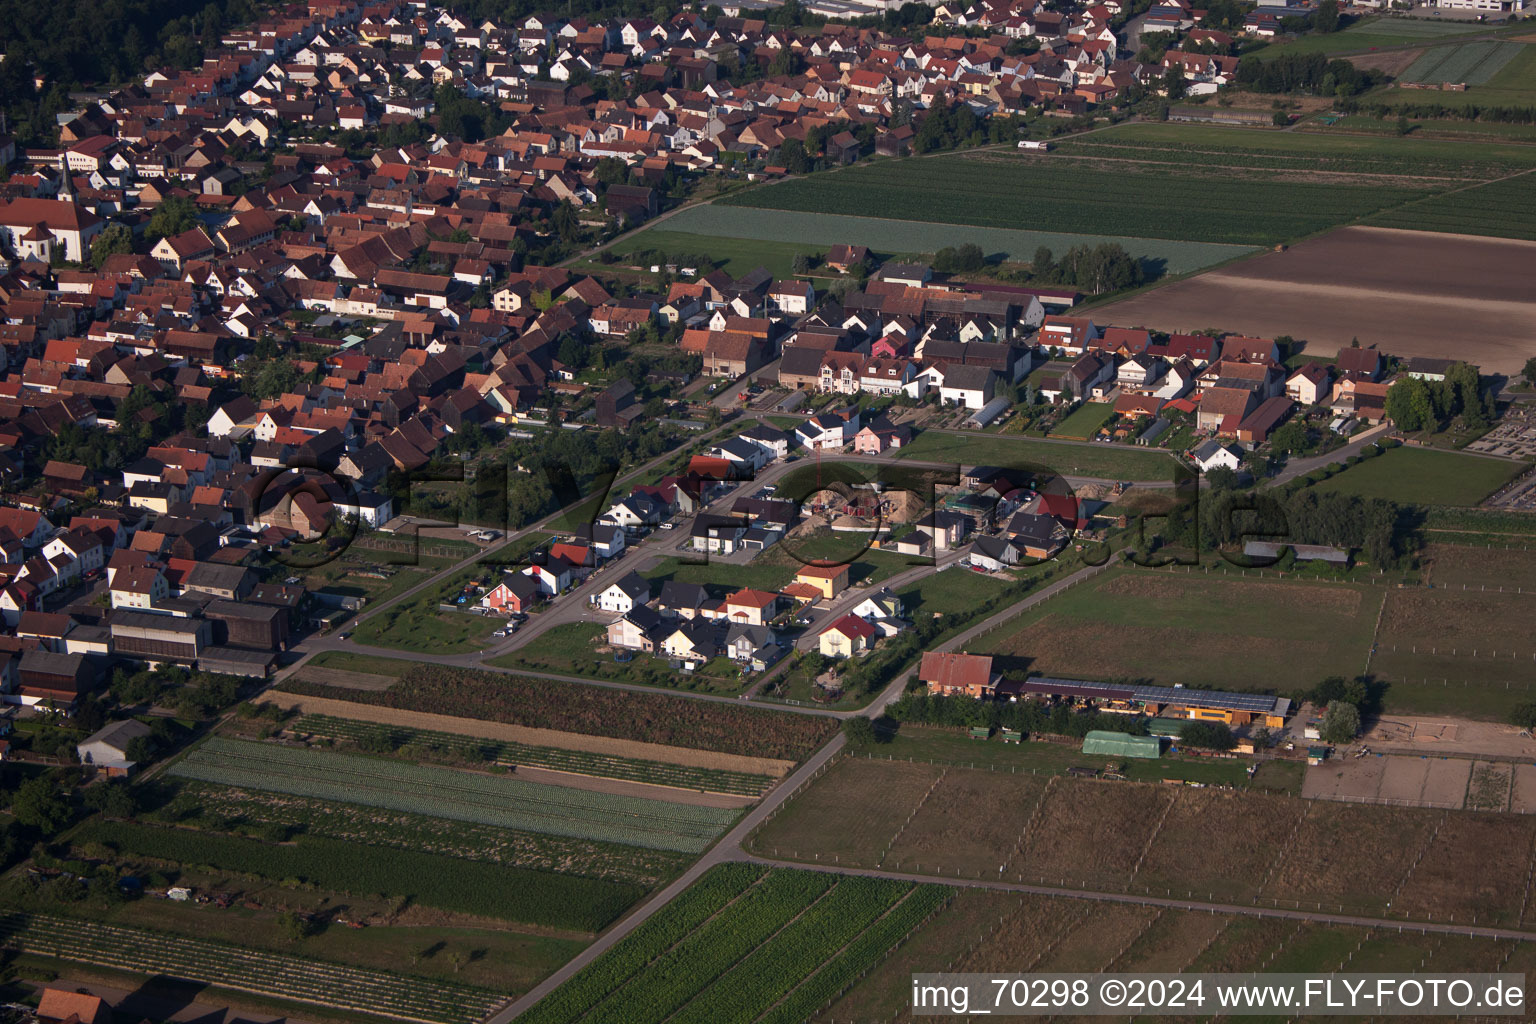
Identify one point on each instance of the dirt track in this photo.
(535, 737)
(1412, 293)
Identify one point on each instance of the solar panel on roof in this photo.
(1207, 698)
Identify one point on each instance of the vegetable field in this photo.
(464, 887)
(745, 946)
(462, 796)
(596, 711)
(1216, 146)
(1502, 209)
(239, 969)
(1232, 205)
(577, 762)
(259, 812)
(1473, 63)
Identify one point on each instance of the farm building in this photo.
(1119, 744)
(1161, 701)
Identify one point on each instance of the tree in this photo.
(1341, 722)
(1173, 82)
(1530, 371)
(1210, 735)
(294, 926)
(174, 215)
(1291, 437)
(801, 264)
(859, 730)
(1327, 17)
(1044, 263)
(115, 239)
(1523, 715)
(1281, 119)
(41, 804)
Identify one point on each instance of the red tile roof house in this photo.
(959, 675)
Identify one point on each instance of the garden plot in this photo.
(466, 796)
(575, 762)
(241, 969)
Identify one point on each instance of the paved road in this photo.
(729, 847)
(1300, 467)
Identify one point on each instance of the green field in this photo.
(253, 812)
(478, 888)
(747, 237)
(1512, 85)
(742, 946)
(1375, 33)
(1472, 63)
(447, 793)
(1240, 206)
(578, 762)
(1111, 462)
(1085, 421)
(1424, 476)
(1213, 630)
(1221, 146)
(1503, 209)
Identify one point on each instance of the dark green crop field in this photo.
(1206, 204)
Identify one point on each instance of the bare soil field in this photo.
(1455, 566)
(1100, 939)
(1456, 622)
(1345, 779)
(1393, 62)
(1172, 943)
(1026, 937)
(1420, 293)
(1394, 951)
(482, 729)
(1219, 841)
(345, 679)
(849, 814)
(1245, 941)
(1351, 855)
(972, 818)
(1522, 795)
(1447, 884)
(1092, 833)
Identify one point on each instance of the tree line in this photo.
(1311, 73)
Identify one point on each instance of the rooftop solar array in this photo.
(1252, 702)
(1258, 702)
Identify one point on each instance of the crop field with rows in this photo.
(466, 887)
(1502, 209)
(593, 710)
(464, 796)
(300, 979)
(578, 762)
(1473, 63)
(1215, 146)
(745, 946)
(997, 190)
(228, 807)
